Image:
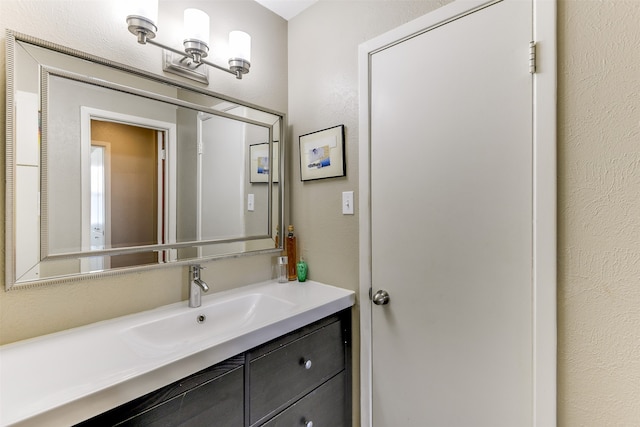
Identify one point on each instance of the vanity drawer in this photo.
(281, 376)
(324, 407)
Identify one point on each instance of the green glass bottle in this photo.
(303, 269)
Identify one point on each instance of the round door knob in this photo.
(381, 297)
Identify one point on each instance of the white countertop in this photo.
(63, 378)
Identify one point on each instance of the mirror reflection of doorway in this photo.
(99, 192)
(100, 202)
(130, 169)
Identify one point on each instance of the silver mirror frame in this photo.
(12, 282)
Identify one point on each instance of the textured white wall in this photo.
(98, 27)
(599, 213)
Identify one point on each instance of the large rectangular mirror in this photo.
(109, 168)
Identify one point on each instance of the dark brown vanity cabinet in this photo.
(300, 379)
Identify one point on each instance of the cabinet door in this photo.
(324, 407)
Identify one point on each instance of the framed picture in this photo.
(259, 162)
(322, 154)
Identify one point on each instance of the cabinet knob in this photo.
(307, 365)
(306, 423)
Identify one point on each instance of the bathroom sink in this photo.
(96, 367)
(216, 319)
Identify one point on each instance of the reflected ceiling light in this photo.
(187, 63)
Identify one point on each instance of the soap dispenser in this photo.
(302, 268)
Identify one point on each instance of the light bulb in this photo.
(147, 9)
(240, 45)
(196, 25)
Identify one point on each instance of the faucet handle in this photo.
(194, 270)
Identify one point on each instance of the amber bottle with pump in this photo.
(290, 246)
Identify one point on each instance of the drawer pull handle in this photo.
(306, 363)
(306, 423)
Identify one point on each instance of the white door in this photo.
(452, 223)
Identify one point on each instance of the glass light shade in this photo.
(240, 45)
(196, 25)
(145, 8)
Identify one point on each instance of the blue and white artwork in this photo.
(322, 154)
(263, 165)
(319, 157)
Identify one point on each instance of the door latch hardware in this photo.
(381, 298)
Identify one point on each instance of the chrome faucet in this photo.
(196, 285)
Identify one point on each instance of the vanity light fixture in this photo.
(188, 63)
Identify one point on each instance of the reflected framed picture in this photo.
(322, 154)
(259, 162)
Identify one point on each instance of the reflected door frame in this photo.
(167, 164)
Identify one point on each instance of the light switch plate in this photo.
(250, 203)
(347, 202)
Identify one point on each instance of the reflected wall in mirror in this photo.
(109, 168)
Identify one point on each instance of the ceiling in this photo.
(286, 8)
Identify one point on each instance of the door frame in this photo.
(544, 334)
